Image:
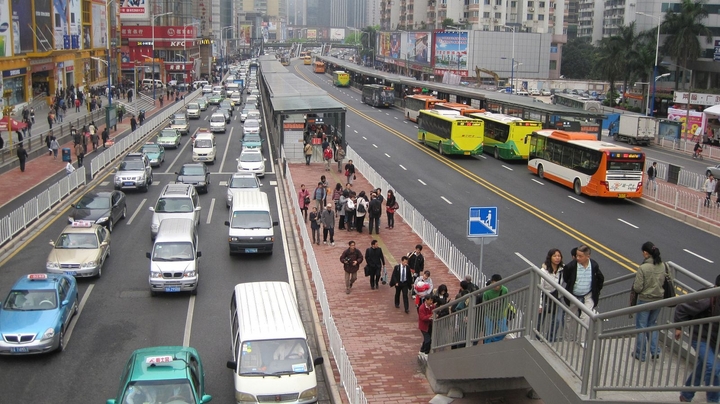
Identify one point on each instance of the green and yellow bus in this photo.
(450, 134)
(505, 135)
(341, 78)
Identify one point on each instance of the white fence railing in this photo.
(31, 210)
(687, 201)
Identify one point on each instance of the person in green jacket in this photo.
(648, 285)
(495, 313)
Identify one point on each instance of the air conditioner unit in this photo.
(495, 20)
(494, 7)
(531, 9)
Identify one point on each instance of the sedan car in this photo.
(227, 104)
(202, 102)
(36, 313)
(251, 161)
(245, 112)
(81, 250)
(134, 173)
(545, 93)
(182, 125)
(195, 174)
(251, 126)
(226, 113)
(155, 153)
(104, 208)
(207, 89)
(169, 137)
(714, 170)
(164, 374)
(193, 110)
(241, 182)
(236, 98)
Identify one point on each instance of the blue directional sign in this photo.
(483, 222)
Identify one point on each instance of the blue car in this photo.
(36, 314)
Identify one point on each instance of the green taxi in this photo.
(169, 137)
(215, 99)
(202, 102)
(164, 374)
(155, 153)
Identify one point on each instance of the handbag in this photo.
(368, 270)
(668, 285)
(347, 173)
(633, 297)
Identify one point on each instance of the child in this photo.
(315, 226)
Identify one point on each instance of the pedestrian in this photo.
(319, 196)
(648, 285)
(652, 173)
(54, 146)
(350, 171)
(423, 287)
(79, 154)
(2, 142)
(133, 123)
(548, 310)
(374, 213)
(304, 201)
(94, 139)
(327, 220)
(401, 280)
(343, 205)
(350, 206)
(361, 208)
(77, 104)
(32, 115)
(425, 318)
(120, 113)
(105, 136)
(391, 206)
(141, 117)
(416, 260)
(496, 315)
(69, 169)
(160, 98)
(22, 156)
(327, 157)
(703, 339)
(50, 119)
(709, 188)
(442, 297)
(129, 95)
(337, 193)
(308, 153)
(584, 280)
(374, 263)
(48, 141)
(339, 157)
(351, 259)
(315, 226)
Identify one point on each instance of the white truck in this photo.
(636, 129)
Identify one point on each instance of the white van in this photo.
(233, 87)
(217, 122)
(148, 83)
(204, 148)
(174, 258)
(250, 223)
(271, 357)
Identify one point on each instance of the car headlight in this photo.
(49, 333)
(88, 265)
(155, 275)
(189, 274)
(243, 398)
(102, 219)
(233, 239)
(52, 265)
(308, 394)
(154, 226)
(117, 180)
(269, 238)
(71, 219)
(202, 183)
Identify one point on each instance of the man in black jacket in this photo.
(585, 281)
(374, 213)
(351, 259)
(375, 261)
(401, 279)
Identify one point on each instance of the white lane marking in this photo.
(81, 306)
(286, 249)
(698, 255)
(223, 183)
(136, 211)
(364, 138)
(627, 223)
(482, 156)
(272, 183)
(522, 257)
(212, 205)
(506, 167)
(227, 147)
(181, 152)
(355, 131)
(416, 127)
(421, 181)
(575, 199)
(539, 182)
(403, 167)
(375, 146)
(188, 321)
(387, 114)
(348, 126)
(104, 183)
(388, 155)
(446, 200)
(270, 154)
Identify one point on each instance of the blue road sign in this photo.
(482, 221)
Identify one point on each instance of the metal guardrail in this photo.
(689, 202)
(33, 209)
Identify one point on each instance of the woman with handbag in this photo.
(649, 286)
(548, 309)
(390, 207)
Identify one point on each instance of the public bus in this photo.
(285, 61)
(505, 135)
(463, 109)
(587, 165)
(378, 95)
(577, 102)
(304, 53)
(318, 67)
(307, 60)
(341, 78)
(414, 103)
(450, 134)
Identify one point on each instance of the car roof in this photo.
(39, 284)
(81, 227)
(244, 175)
(176, 369)
(248, 151)
(193, 165)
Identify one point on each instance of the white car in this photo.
(217, 122)
(251, 161)
(251, 126)
(545, 93)
(207, 89)
(241, 182)
(534, 92)
(236, 98)
(193, 110)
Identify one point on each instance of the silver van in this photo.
(250, 224)
(174, 258)
(175, 201)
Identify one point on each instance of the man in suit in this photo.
(585, 281)
(401, 279)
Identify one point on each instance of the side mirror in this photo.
(197, 209)
(65, 303)
(177, 173)
(72, 205)
(104, 244)
(205, 398)
(147, 254)
(227, 223)
(110, 401)
(275, 223)
(318, 361)
(199, 254)
(151, 209)
(231, 365)
(52, 243)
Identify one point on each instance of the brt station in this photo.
(528, 108)
(297, 112)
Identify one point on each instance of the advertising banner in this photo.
(5, 28)
(99, 25)
(43, 23)
(337, 34)
(383, 44)
(451, 50)
(133, 10)
(311, 34)
(245, 34)
(395, 45)
(161, 32)
(696, 98)
(67, 15)
(22, 26)
(418, 46)
(690, 123)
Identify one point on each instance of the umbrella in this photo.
(16, 125)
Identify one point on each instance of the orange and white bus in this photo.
(587, 165)
(318, 67)
(414, 103)
(463, 109)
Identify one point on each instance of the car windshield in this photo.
(159, 391)
(168, 133)
(77, 241)
(180, 121)
(243, 182)
(26, 300)
(236, 95)
(273, 357)
(192, 170)
(174, 205)
(174, 251)
(203, 143)
(93, 202)
(226, 103)
(151, 148)
(250, 157)
(250, 220)
(217, 118)
(251, 138)
(132, 165)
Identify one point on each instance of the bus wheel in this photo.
(541, 171)
(440, 150)
(577, 187)
(422, 140)
(496, 154)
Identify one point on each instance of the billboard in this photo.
(245, 34)
(133, 10)
(383, 44)
(22, 26)
(690, 120)
(337, 34)
(395, 45)
(417, 46)
(5, 28)
(161, 32)
(43, 23)
(99, 26)
(311, 34)
(451, 50)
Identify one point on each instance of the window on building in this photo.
(541, 17)
(498, 15)
(486, 14)
(529, 17)
(531, 4)
(486, 28)
(497, 28)
(553, 65)
(475, 14)
(498, 2)
(513, 4)
(541, 4)
(487, 2)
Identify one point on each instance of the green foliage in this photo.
(683, 29)
(577, 59)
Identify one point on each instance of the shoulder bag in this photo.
(668, 285)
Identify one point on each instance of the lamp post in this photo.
(223, 45)
(689, 95)
(655, 65)
(458, 45)
(513, 27)
(648, 111)
(154, 16)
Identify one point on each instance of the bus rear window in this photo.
(614, 165)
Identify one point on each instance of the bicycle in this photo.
(698, 154)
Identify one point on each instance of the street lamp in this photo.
(154, 16)
(224, 45)
(513, 27)
(655, 65)
(458, 45)
(689, 94)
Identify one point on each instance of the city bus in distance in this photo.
(319, 67)
(505, 135)
(285, 61)
(341, 78)
(577, 102)
(463, 109)
(587, 165)
(307, 60)
(378, 95)
(304, 53)
(414, 103)
(450, 134)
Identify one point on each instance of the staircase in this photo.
(140, 103)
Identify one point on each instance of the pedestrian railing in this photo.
(30, 211)
(688, 201)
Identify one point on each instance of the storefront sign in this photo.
(15, 72)
(176, 67)
(43, 67)
(69, 68)
(165, 32)
(681, 97)
(143, 43)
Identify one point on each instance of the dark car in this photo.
(195, 174)
(103, 208)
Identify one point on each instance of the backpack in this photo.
(376, 209)
(361, 207)
(349, 206)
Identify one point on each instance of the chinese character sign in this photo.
(133, 10)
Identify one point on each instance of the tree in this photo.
(577, 59)
(608, 63)
(448, 22)
(626, 41)
(684, 28)
(368, 39)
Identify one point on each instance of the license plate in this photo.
(72, 273)
(467, 153)
(251, 250)
(622, 195)
(172, 289)
(19, 350)
(128, 184)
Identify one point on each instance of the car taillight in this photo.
(640, 184)
(605, 184)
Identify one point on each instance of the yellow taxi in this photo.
(80, 251)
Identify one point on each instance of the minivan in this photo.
(271, 357)
(204, 148)
(174, 258)
(250, 224)
(217, 122)
(148, 83)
